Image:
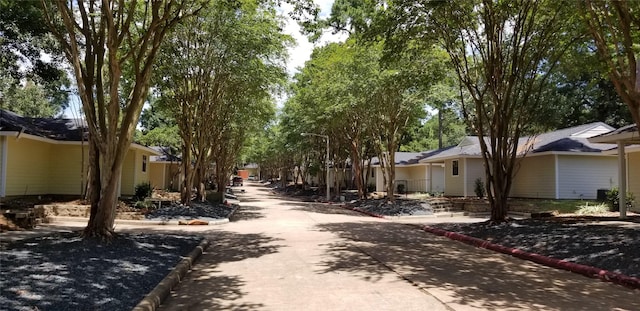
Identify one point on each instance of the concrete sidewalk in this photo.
(285, 255)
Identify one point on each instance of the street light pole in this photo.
(326, 137)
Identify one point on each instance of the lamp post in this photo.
(327, 161)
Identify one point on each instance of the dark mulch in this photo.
(608, 245)
(400, 207)
(65, 272)
(196, 210)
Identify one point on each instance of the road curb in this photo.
(585, 270)
(153, 300)
(54, 219)
(443, 215)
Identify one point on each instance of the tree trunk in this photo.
(357, 169)
(498, 198)
(101, 222)
(185, 191)
(391, 176)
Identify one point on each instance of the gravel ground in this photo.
(399, 208)
(65, 272)
(203, 211)
(608, 245)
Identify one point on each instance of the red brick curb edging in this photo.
(589, 271)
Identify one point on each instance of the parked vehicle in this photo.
(237, 181)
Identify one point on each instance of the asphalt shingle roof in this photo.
(166, 155)
(53, 128)
(573, 139)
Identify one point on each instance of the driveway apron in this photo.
(282, 254)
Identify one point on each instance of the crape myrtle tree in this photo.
(615, 29)
(219, 91)
(396, 89)
(503, 52)
(330, 98)
(103, 40)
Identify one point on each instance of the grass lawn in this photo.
(562, 206)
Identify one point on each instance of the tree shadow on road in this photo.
(206, 287)
(465, 275)
(246, 212)
(325, 209)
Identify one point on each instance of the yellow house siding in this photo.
(412, 176)
(132, 173)
(128, 174)
(3, 165)
(68, 169)
(141, 176)
(581, 176)
(174, 178)
(27, 167)
(454, 185)
(535, 178)
(633, 176)
(157, 175)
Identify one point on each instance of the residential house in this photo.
(254, 170)
(41, 156)
(165, 170)
(627, 140)
(562, 164)
(416, 176)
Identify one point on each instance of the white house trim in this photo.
(464, 180)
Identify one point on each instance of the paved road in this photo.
(280, 254)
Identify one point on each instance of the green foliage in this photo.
(143, 191)
(401, 188)
(613, 199)
(478, 188)
(144, 204)
(30, 85)
(371, 188)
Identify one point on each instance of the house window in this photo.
(144, 163)
(454, 168)
(373, 173)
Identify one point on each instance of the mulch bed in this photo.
(597, 241)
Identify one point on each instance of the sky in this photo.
(298, 54)
(302, 51)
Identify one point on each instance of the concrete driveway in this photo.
(280, 254)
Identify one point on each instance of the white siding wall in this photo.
(582, 176)
(379, 180)
(475, 170)
(535, 178)
(437, 184)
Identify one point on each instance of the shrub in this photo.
(592, 209)
(145, 205)
(371, 188)
(479, 188)
(401, 189)
(143, 191)
(613, 199)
